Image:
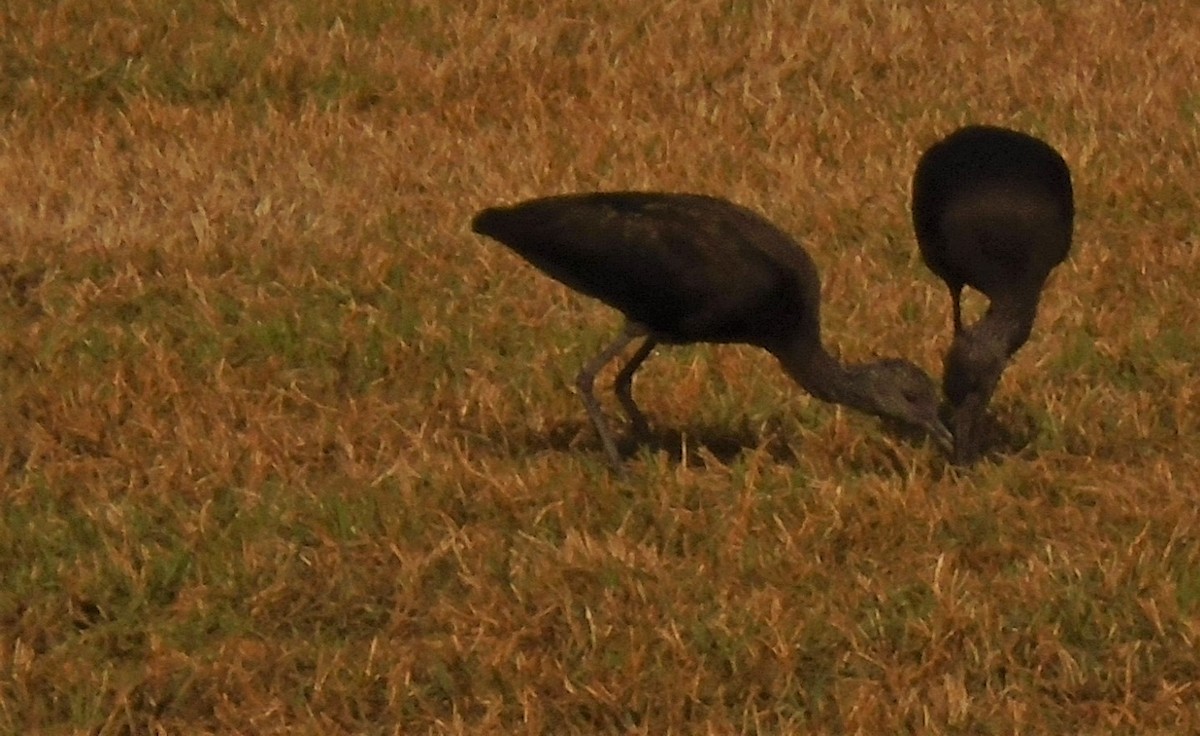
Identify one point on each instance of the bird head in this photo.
(973, 365)
(970, 374)
(903, 392)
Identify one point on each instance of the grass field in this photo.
(286, 449)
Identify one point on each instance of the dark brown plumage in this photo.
(993, 209)
(691, 268)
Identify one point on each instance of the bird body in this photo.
(993, 209)
(688, 268)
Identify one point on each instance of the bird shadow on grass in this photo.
(1025, 432)
(695, 446)
(1010, 431)
(691, 446)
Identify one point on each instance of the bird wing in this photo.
(688, 267)
(1016, 237)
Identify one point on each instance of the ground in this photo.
(286, 449)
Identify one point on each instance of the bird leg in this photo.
(956, 298)
(624, 388)
(585, 382)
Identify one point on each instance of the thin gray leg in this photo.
(624, 387)
(956, 297)
(585, 382)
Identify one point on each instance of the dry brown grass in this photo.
(287, 450)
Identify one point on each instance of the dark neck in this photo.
(825, 377)
(1008, 321)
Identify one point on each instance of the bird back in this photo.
(992, 208)
(688, 267)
